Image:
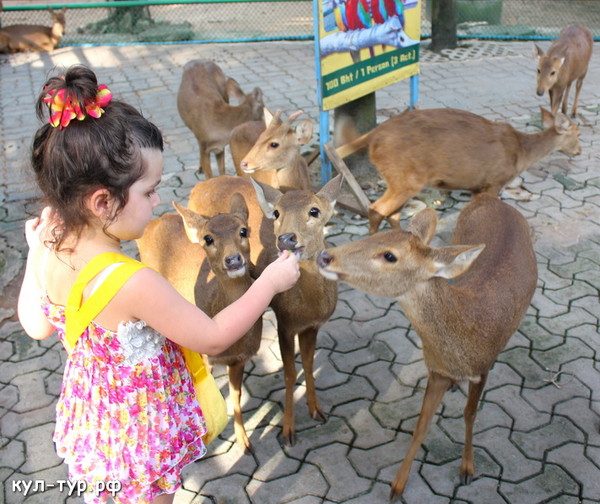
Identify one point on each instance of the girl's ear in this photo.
(100, 204)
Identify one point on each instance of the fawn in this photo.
(204, 105)
(454, 149)
(271, 153)
(33, 38)
(565, 62)
(207, 259)
(463, 323)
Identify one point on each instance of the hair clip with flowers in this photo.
(63, 108)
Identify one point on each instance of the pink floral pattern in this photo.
(136, 424)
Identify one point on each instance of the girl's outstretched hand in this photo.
(282, 273)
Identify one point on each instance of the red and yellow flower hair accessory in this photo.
(63, 108)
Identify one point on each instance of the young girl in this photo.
(127, 418)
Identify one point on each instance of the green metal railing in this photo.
(196, 21)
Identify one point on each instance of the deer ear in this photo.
(452, 261)
(537, 52)
(423, 225)
(304, 131)
(192, 222)
(331, 190)
(239, 207)
(268, 115)
(267, 197)
(547, 118)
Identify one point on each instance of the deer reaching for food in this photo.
(207, 259)
(204, 105)
(33, 38)
(454, 149)
(565, 62)
(463, 323)
(294, 221)
(299, 226)
(271, 154)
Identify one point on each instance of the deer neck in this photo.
(535, 146)
(232, 289)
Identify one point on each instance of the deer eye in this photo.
(209, 240)
(553, 72)
(273, 145)
(276, 214)
(389, 257)
(244, 232)
(314, 212)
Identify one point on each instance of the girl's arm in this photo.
(152, 299)
(29, 308)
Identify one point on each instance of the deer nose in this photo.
(324, 259)
(287, 241)
(539, 93)
(233, 262)
(244, 165)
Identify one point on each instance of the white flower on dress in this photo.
(138, 341)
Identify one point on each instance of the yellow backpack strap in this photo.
(78, 316)
(195, 365)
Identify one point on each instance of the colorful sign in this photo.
(365, 45)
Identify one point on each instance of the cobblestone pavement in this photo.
(537, 433)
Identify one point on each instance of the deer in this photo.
(293, 220)
(464, 300)
(207, 259)
(203, 102)
(565, 62)
(33, 38)
(453, 149)
(269, 151)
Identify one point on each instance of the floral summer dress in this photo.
(127, 416)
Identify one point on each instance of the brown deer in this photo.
(300, 218)
(565, 62)
(454, 149)
(211, 196)
(271, 154)
(463, 323)
(33, 38)
(298, 225)
(204, 105)
(207, 259)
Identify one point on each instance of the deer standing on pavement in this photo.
(299, 226)
(33, 38)
(454, 149)
(271, 153)
(565, 62)
(463, 324)
(204, 105)
(295, 221)
(207, 259)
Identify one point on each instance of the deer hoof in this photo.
(466, 477)
(289, 437)
(319, 415)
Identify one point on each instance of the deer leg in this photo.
(286, 346)
(467, 467)
(236, 375)
(205, 161)
(554, 101)
(391, 201)
(220, 157)
(308, 342)
(578, 85)
(565, 98)
(436, 387)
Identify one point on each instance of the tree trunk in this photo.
(443, 25)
